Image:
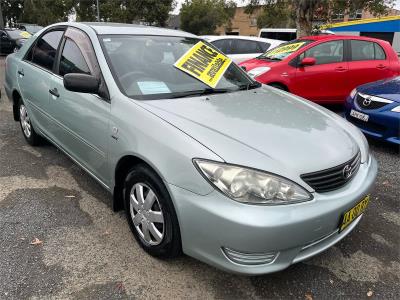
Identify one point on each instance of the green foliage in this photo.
(152, 12)
(45, 12)
(283, 13)
(204, 16)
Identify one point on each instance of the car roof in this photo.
(122, 28)
(338, 37)
(212, 38)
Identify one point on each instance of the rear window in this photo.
(365, 50)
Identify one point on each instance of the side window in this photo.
(325, 53)
(44, 52)
(264, 46)
(220, 44)
(72, 60)
(245, 47)
(379, 52)
(364, 50)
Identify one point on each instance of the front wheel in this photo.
(151, 214)
(29, 133)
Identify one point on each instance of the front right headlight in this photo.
(251, 186)
(353, 93)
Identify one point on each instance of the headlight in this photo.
(258, 71)
(353, 93)
(396, 109)
(251, 186)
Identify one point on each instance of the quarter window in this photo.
(364, 50)
(72, 60)
(44, 52)
(325, 53)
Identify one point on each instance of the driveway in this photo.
(83, 250)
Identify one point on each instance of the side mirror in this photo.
(308, 61)
(81, 83)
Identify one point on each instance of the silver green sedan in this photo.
(244, 177)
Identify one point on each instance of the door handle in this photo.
(21, 73)
(381, 66)
(54, 92)
(340, 69)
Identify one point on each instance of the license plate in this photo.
(352, 214)
(358, 115)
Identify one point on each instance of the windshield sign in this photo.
(204, 63)
(164, 67)
(284, 50)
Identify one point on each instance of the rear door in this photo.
(34, 73)
(80, 119)
(327, 80)
(368, 62)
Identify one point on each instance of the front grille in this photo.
(333, 178)
(370, 102)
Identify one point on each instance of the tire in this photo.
(29, 133)
(279, 86)
(153, 221)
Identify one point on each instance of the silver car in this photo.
(244, 177)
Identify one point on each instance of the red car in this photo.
(325, 68)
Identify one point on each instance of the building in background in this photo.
(246, 24)
(385, 28)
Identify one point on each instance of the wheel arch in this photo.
(16, 97)
(278, 83)
(122, 167)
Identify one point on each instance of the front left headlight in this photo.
(396, 109)
(251, 186)
(258, 71)
(353, 93)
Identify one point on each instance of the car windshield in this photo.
(16, 34)
(32, 28)
(284, 50)
(143, 67)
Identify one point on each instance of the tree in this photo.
(12, 11)
(45, 12)
(152, 12)
(305, 12)
(204, 16)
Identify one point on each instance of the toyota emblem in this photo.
(347, 171)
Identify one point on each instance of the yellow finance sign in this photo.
(204, 63)
(285, 49)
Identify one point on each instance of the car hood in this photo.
(264, 128)
(387, 88)
(254, 63)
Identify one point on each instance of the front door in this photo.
(81, 120)
(327, 80)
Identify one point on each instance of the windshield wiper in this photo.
(250, 86)
(206, 91)
(269, 58)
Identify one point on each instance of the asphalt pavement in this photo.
(59, 238)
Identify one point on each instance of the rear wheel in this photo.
(151, 214)
(29, 133)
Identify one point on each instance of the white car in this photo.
(241, 48)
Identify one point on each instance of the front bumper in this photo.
(288, 233)
(382, 124)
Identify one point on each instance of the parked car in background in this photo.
(12, 39)
(204, 159)
(325, 68)
(241, 48)
(284, 34)
(375, 109)
(31, 28)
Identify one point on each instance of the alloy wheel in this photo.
(146, 214)
(25, 121)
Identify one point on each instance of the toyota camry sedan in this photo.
(204, 160)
